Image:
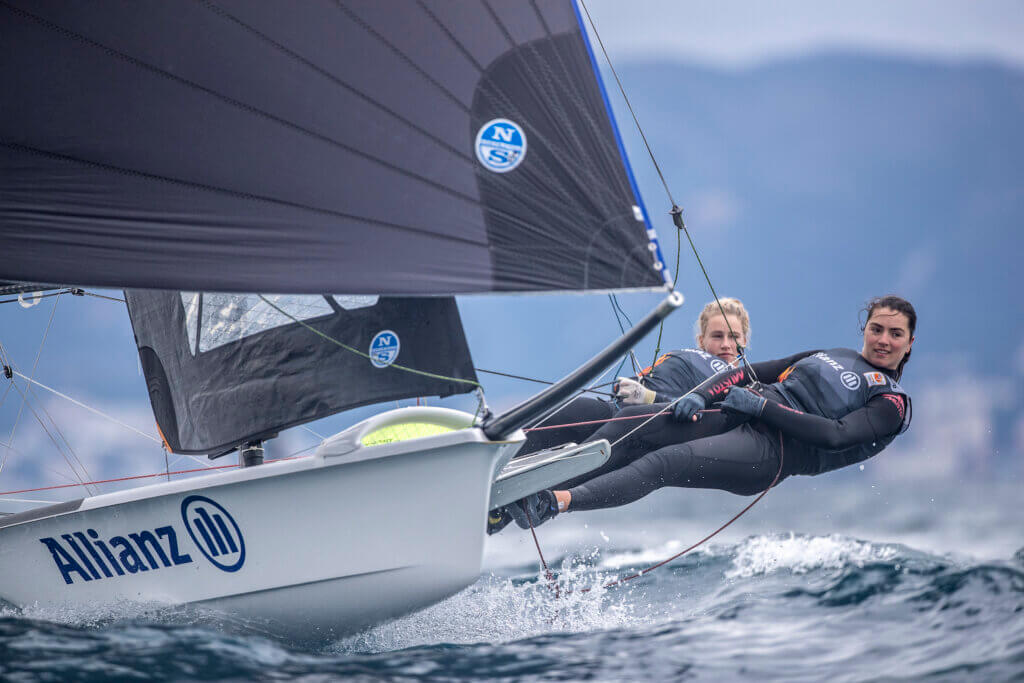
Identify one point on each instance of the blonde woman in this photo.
(719, 340)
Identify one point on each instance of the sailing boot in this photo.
(497, 520)
(540, 506)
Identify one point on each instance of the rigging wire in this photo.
(646, 570)
(538, 381)
(617, 310)
(74, 291)
(35, 365)
(89, 408)
(676, 213)
(677, 217)
(362, 354)
(55, 443)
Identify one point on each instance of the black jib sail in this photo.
(364, 147)
(223, 369)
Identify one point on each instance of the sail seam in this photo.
(401, 55)
(235, 193)
(242, 105)
(347, 86)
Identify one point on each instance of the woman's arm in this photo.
(767, 372)
(880, 417)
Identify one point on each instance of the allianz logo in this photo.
(828, 359)
(87, 556)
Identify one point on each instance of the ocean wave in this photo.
(802, 554)
(497, 610)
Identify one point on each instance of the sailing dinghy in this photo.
(365, 161)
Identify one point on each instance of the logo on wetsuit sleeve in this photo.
(717, 364)
(875, 379)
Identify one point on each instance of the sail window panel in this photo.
(230, 317)
(190, 300)
(351, 302)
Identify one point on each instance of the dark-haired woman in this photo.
(821, 411)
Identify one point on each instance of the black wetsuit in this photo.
(737, 453)
(672, 375)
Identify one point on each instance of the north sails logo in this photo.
(500, 145)
(215, 532)
(85, 555)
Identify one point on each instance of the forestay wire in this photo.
(676, 213)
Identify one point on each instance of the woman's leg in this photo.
(634, 438)
(581, 409)
(742, 461)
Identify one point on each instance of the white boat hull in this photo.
(312, 547)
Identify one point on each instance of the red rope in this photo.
(714, 533)
(552, 582)
(222, 467)
(137, 476)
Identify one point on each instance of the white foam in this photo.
(101, 614)
(801, 554)
(495, 610)
(647, 556)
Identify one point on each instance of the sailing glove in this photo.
(744, 401)
(689, 406)
(540, 506)
(632, 393)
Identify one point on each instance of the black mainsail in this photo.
(357, 147)
(347, 147)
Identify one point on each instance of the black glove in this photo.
(686, 407)
(540, 506)
(744, 401)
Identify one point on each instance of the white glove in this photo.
(631, 393)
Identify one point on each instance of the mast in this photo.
(501, 426)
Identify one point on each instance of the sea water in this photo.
(845, 581)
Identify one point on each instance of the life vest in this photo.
(676, 372)
(832, 384)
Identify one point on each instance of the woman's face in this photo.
(887, 338)
(717, 341)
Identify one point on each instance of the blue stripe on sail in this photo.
(622, 148)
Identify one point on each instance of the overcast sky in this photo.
(739, 33)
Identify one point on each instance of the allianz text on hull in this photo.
(311, 547)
